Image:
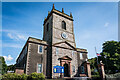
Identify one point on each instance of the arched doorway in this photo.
(66, 70)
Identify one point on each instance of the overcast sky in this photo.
(94, 23)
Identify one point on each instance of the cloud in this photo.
(12, 45)
(8, 58)
(106, 24)
(10, 36)
(15, 36)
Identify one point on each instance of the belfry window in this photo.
(63, 25)
(47, 26)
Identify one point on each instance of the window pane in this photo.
(57, 51)
(39, 68)
(63, 25)
(72, 53)
(81, 56)
(73, 68)
(40, 48)
(82, 69)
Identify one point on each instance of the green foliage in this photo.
(93, 66)
(112, 61)
(95, 76)
(11, 68)
(117, 75)
(36, 76)
(24, 77)
(11, 76)
(3, 66)
(111, 49)
(14, 76)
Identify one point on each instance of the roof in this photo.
(81, 50)
(31, 39)
(59, 13)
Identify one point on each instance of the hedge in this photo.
(14, 76)
(36, 76)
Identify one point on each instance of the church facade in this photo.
(58, 48)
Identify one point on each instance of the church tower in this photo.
(58, 27)
(57, 49)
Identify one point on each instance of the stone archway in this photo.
(66, 63)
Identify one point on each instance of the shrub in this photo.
(117, 75)
(95, 76)
(36, 76)
(24, 77)
(14, 76)
(11, 76)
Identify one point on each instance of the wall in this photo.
(57, 29)
(61, 53)
(35, 58)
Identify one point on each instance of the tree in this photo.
(3, 66)
(111, 56)
(11, 68)
(93, 66)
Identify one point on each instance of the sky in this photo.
(94, 23)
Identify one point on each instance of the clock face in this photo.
(64, 35)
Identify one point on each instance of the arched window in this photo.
(63, 25)
(47, 26)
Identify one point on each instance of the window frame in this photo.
(64, 25)
(81, 55)
(72, 53)
(39, 49)
(41, 68)
(57, 51)
(82, 69)
(73, 67)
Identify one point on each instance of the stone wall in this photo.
(35, 58)
(47, 35)
(57, 29)
(61, 53)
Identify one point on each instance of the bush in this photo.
(36, 76)
(117, 75)
(24, 77)
(11, 76)
(14, 76)
(95, 76)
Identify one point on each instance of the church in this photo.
(58, 48)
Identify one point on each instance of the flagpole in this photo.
(96, 54)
